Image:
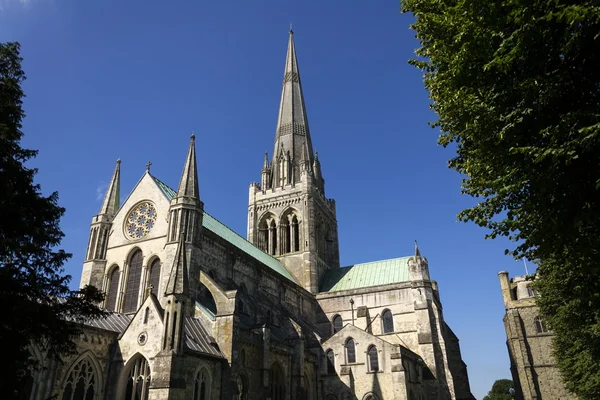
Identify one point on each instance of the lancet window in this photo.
(113, 289)
(373, 359)
(350, 351)
(154, 277)
(388, 321)
(138, 381)
(330, 362)
(134, 277)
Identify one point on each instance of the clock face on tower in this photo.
(140, 220)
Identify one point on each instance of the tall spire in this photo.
(178, 278)
(188, 185)
(292, 132)
(112, 200)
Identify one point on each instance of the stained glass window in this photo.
(113, 289)
(388, 321)
(373, 359)
(350, 351)
(338, 323)
(155, 276)
(134, 277)
(140, 220)
(201, 385)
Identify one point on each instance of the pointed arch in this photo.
(202, 384)
(83, 379)
(112, 288)
(242, 386)
(134, 279)
(135, 381)
(540, 327)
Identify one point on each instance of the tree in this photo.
(516, 87)
(38, 309)
(500, 390)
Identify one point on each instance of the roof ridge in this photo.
(376, 261)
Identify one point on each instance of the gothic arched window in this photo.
(277, 383)
(138, 381)
(330, 362)
(113, 289)
(134, 277)
(350, 351)
(201, 385)
(540, 327)
(338, 323)
(154, 277)
(273, 238)
(81, 382)
(388, 321)
(373, 359)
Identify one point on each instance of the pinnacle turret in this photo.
(112, 200)
(188, 185)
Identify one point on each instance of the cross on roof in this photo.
(148, 164)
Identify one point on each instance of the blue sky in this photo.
(132, 80)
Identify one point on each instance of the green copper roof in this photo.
(365, 275)
(167, 191)
(218, 228)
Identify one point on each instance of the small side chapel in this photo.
(199, 312)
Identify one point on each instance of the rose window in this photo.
(140, 220)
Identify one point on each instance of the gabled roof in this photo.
(364, 275)
(224, 232)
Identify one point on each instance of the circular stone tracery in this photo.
(140, 220)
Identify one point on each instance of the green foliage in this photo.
(516, 86)
(36, 301)
(500, 390)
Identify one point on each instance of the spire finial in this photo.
(148, 164)
(112, 200)
(291, 30)
(417, 252)
(188, 185)
(193, 136)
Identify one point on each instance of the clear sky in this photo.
(133, 79)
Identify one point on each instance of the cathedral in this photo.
(199, 312)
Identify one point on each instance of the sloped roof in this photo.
(369, 274)
(114, 322)
(224, 232)
(197, 338)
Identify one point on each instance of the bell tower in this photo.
(289, 216)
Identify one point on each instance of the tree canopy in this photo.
(516, 87)
(500, 390)
(38, 309)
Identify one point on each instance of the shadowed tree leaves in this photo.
(516, 86)
(38, 307)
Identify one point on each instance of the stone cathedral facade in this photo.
(199, 312)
